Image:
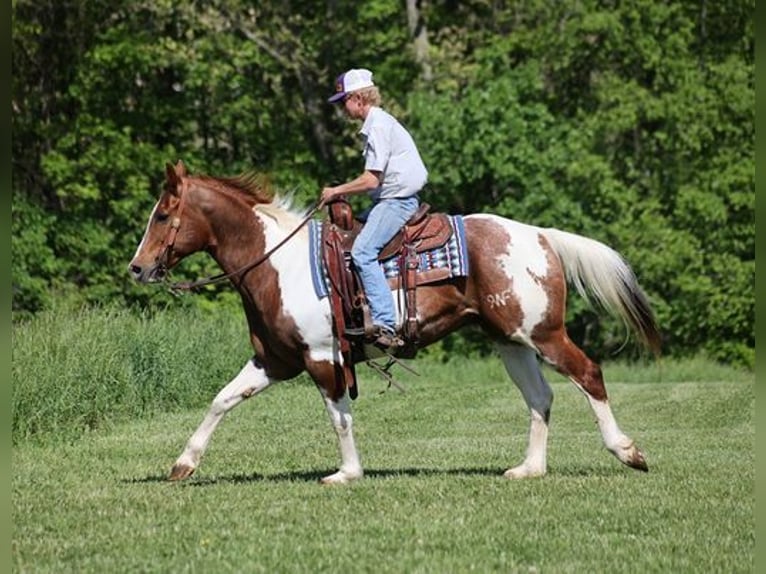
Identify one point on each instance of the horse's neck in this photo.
(235, 233)
(244, 234)
(278, 288)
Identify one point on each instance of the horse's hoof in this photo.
(637, 461)
(341, 477)
(630, 455)
(522, 471)
(180, 472)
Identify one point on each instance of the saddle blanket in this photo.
(453, 255)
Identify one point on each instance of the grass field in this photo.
(433, 499)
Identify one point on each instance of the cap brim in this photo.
(336, 97)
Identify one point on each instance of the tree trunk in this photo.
(419, 34)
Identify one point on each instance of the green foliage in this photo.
(630, 123)
(611, 123)
(78, 370)
(33, 259)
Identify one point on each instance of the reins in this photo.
(191, 285)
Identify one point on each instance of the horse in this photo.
(515, 290)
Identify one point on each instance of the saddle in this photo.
(352, 322)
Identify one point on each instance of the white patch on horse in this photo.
(522, 270)
(343, 423)
(312, 316)
(250, 381)
(146, 231)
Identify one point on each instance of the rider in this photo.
(393, 175)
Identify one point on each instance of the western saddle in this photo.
(352, 323)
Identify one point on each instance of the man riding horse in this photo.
(393, 175)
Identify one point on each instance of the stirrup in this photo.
(386, 338)
(354, 332)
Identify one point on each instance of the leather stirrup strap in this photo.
(411, 263)
(345, 374)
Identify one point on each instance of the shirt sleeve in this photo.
(377, 150)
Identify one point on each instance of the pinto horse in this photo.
(515, 291)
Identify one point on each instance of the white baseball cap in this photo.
(351, 81)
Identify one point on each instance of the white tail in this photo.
(598, 272)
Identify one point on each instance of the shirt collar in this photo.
(365, 130)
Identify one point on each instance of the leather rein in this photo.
(192, 285)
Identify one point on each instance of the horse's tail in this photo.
(599, 272)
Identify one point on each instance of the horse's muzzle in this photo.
(151, 274)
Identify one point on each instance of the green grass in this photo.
(76, 370)
(433, 499)
(104, 400)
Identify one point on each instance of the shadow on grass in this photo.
(316, 475)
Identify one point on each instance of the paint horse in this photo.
(515, 291)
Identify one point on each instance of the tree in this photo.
(629, 122)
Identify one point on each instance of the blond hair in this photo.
(369, 95)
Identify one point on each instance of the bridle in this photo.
(170, 238)
(163, 258)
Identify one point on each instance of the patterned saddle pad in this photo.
(452, 257)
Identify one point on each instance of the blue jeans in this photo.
(384, 221)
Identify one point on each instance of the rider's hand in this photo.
(328, 193)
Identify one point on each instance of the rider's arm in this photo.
(366, 181)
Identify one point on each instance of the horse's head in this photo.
(171, 233)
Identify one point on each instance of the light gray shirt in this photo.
(390, 149)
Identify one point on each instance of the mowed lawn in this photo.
(433, 499)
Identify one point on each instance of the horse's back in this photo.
(517, 278)
(516, 248)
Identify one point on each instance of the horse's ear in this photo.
(180, 169)
(171, 178)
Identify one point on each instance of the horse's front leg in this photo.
(250, 381)
(342, 421)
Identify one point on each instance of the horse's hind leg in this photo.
(569, 360)
(250, 381)
(521, 364)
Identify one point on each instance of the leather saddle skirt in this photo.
(424, 230)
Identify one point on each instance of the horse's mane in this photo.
(258, 187)
(255, 185)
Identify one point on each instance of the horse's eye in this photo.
(161, 217)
